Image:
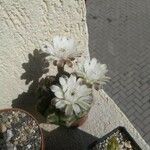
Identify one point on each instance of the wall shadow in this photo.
(34, 69)
(68, 139)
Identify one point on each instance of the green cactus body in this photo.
(113, 144)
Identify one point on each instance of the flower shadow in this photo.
(34, 70)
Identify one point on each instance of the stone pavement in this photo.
(119, 35)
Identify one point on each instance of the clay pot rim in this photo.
(21, 110)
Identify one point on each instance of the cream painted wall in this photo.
(24, 25)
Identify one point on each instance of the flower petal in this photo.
(59, 94)
(93, 63)
(54, 101)
(76, 109)
(71, 45)
(84, 105)
(55, 88)
(69, 110)
(61, 104)
(57, 91)
(88, 99)
(57, 42)
(86, 65)
(48, 48)
(63, 83)
(71, 81)
(82, 90)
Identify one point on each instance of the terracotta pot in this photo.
(41, 133)
(79, 122)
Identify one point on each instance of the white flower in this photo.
(71, 95)
(93, 72)
(62, 48)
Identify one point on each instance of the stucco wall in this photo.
(24, 25)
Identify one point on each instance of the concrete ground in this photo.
(119, 35)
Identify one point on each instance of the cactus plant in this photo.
(113, 144)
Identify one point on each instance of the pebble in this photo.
(16, 142)
(24, 138)
(128, 145)
(29, 146)
(2, 128)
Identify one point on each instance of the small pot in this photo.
(28, 114)
(79, 122)
(118, 131)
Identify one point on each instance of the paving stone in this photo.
(130, 105)
(145, 107)
(132, 118)
(130, 111)
(146, 113)
(119, 35)
(137, 108)
(147, 137)
(147, 121)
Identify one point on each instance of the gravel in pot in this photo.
(19, 131)
(118, 139)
